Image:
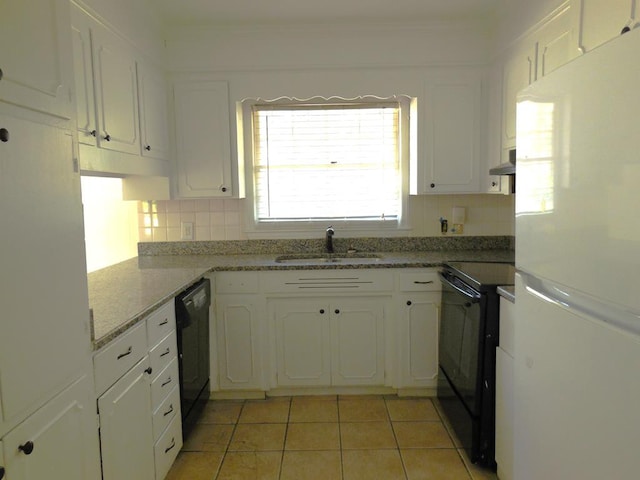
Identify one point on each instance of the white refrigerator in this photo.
(577, 339)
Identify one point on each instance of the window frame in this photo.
(255, 228)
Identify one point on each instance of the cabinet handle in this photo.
(164, 322)
(493, 184)
(168, 411)
(27, 448)
(408, 302)
(322, 311)
(167, 382)
(173, 444)
(1, 75)
(4, 135)
(224, 189)
(166, 352)
(418, 282)
(148, 370)
(1, 468)
(107, 137)
(122, 355)
(625, 30)
(336, 311)
(433, 185)
(93, 133)
(148, 148)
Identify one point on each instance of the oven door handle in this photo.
(472, 295)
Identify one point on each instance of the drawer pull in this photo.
(168, 412)
(164, 322)
(417, 282)
(128, 352)
(148, 370)
(173, 444)
(166, 352)
(167, 382)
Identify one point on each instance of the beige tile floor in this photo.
(324, 438)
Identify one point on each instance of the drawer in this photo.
(161, 322)
(164, 383)
(114, 360)
(163, 352)
(237, 282)
(328, 281)
(419, 281)
(168, 409)
(167, 447)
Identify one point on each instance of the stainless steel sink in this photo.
(311, 258)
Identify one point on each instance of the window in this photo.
(329, 161)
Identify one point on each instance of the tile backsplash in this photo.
(222, 219)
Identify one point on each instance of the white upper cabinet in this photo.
(152, 94)
(116, 93)
(36, 70)
(203, 147)
(602, 20)
(450, 141)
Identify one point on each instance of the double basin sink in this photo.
(324, 258)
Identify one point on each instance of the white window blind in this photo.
(327, 161)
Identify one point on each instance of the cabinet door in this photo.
(59, 441)
(152, 93)
(504, 414)
(35, 58)
(557, 43)
(602, 20)
(116, 92)
(519, 72)
(452, 135)
(303, 343)
(44, 333)
(357, 346)
(238, 334)
(419, 339)
(202, 139)
(126, 429)
(83, 71)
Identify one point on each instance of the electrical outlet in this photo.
(186, 229)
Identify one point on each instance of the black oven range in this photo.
(469, 334)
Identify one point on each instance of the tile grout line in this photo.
(455, 447)
(393, 430)
(284, 442)
(233, 431)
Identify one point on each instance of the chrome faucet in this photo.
(329, 239)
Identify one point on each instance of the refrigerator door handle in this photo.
(597, 309)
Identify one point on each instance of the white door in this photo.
(303, 343)
(44, 332)
(126, 429)
(238, 340)
(83, 71)
(59, 441)
(116, 92)
(34, 58)
(357, 341)
(203, 139)
(419, 339)
(152, 93)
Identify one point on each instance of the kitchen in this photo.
(400, 62)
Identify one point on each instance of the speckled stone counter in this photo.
(123, 294)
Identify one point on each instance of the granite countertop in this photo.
(508, 292)
(123, 294)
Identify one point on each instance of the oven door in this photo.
(460, 344)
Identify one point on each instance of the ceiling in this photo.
(243, 12)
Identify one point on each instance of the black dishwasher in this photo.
(192, 322)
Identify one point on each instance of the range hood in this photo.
(508, 168)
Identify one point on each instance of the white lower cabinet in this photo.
(137, 382)
(418, 313)
(58, 441)
(504, 391)
(126, 428)
(336, 342)
(238, 351)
